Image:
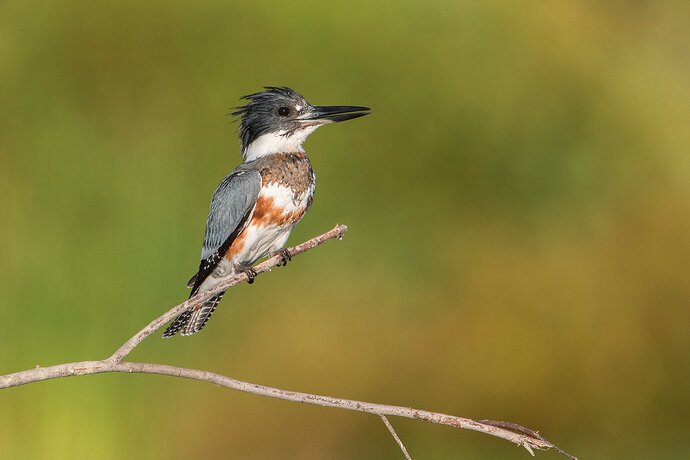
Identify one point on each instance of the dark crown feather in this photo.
(257, 117)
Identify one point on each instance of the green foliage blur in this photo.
(518, 205)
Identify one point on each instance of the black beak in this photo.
(336, 113)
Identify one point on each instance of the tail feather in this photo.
(193, 320)
(200, 316)
(178, 323)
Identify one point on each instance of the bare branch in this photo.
(517, 434)
(99, 367)
(396, 437)
(337, 232)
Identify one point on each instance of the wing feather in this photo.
(231, 206)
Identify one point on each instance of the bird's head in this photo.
(279, 120)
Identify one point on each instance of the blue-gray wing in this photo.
(231, 206)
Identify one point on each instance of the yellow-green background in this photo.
(518, 204)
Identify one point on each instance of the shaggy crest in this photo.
(260, 115)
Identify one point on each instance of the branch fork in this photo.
(517, 434)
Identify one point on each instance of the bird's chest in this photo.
(287, 189)
(289, 171)
(286, 194)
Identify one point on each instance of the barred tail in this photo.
(193, 320)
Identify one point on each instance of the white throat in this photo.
(279, 142)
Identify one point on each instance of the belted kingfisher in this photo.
(255, 208)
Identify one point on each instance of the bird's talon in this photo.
(285, 254)
(249, 271)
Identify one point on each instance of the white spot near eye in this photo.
(298, 108)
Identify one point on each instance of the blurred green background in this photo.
(518, 204)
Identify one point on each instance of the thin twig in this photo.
(521, 429)
(396, 437)
(517, 434)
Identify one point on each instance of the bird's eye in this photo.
(284, 111)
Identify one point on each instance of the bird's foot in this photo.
(247, 270)
(285, 254)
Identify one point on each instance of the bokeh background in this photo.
(518, 204)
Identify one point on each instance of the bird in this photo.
(257, 205)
